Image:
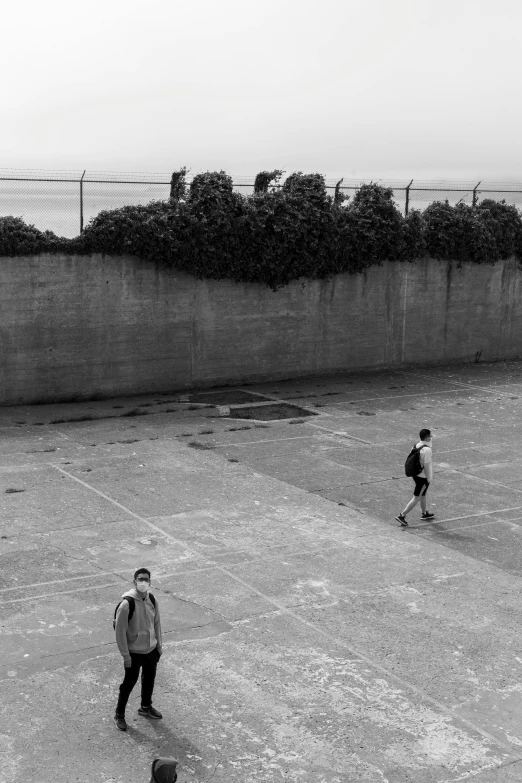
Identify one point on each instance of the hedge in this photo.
(280, 233)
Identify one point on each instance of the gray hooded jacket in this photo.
(143, 633)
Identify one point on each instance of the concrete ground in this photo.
(307, 637)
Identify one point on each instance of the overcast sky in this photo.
(353, 88)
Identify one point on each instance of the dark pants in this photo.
(147, 663)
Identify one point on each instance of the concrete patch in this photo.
(269, 412)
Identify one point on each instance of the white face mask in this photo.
(142, 586)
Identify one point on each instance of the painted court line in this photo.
(428, 393)
(63, 581)
(488, 389)
(54, 592)
(486, 481)
(481, 514)
(210, 566)
(426, 526)
(293, 400)
(340, 433)
(268, 440)
(332, 639)
(491, 482)
(169, 538)
(472, 447)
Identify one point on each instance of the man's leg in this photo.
(148, 677)
(413, 502)
(129, 681)
(402, 516)
(425, 513)
(419, 493)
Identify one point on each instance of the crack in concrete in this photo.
(81, 651)
(194, 603)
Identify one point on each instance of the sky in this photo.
(427, 89)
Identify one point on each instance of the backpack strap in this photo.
(132, 605)
(130, 601)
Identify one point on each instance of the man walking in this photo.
(422, 479)
(138, 636)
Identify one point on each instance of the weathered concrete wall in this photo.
(75, 327)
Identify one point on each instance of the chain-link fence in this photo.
(65, 201)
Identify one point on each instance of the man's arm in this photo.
(157, 629)
(122, 623)
(428, 464)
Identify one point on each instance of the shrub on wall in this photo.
(371, 228)
(17, 238)
(413, 237)
(458, 233)
(266, 178)
(503, 222)
(279, 234)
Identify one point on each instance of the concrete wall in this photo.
(76, 327)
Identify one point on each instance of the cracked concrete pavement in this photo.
(307, 636)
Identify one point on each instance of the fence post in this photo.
(475, 193)
(407, 200)
(81, 202)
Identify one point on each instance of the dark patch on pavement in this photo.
(277, 411)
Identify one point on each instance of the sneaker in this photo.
(402, 519)
(120, 722)
(150, 712)
(427, 515)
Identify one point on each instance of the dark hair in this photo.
(141, 571)
(423, 434)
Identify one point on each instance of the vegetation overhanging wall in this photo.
(280, 234)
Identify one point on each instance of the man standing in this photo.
(138, 636)
(422, 480)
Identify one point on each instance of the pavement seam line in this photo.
(403, 683)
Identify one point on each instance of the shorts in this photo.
(421, 486)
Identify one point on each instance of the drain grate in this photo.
(225, 397)
(281, 410)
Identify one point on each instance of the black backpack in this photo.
(131, 602)
(413, 465)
